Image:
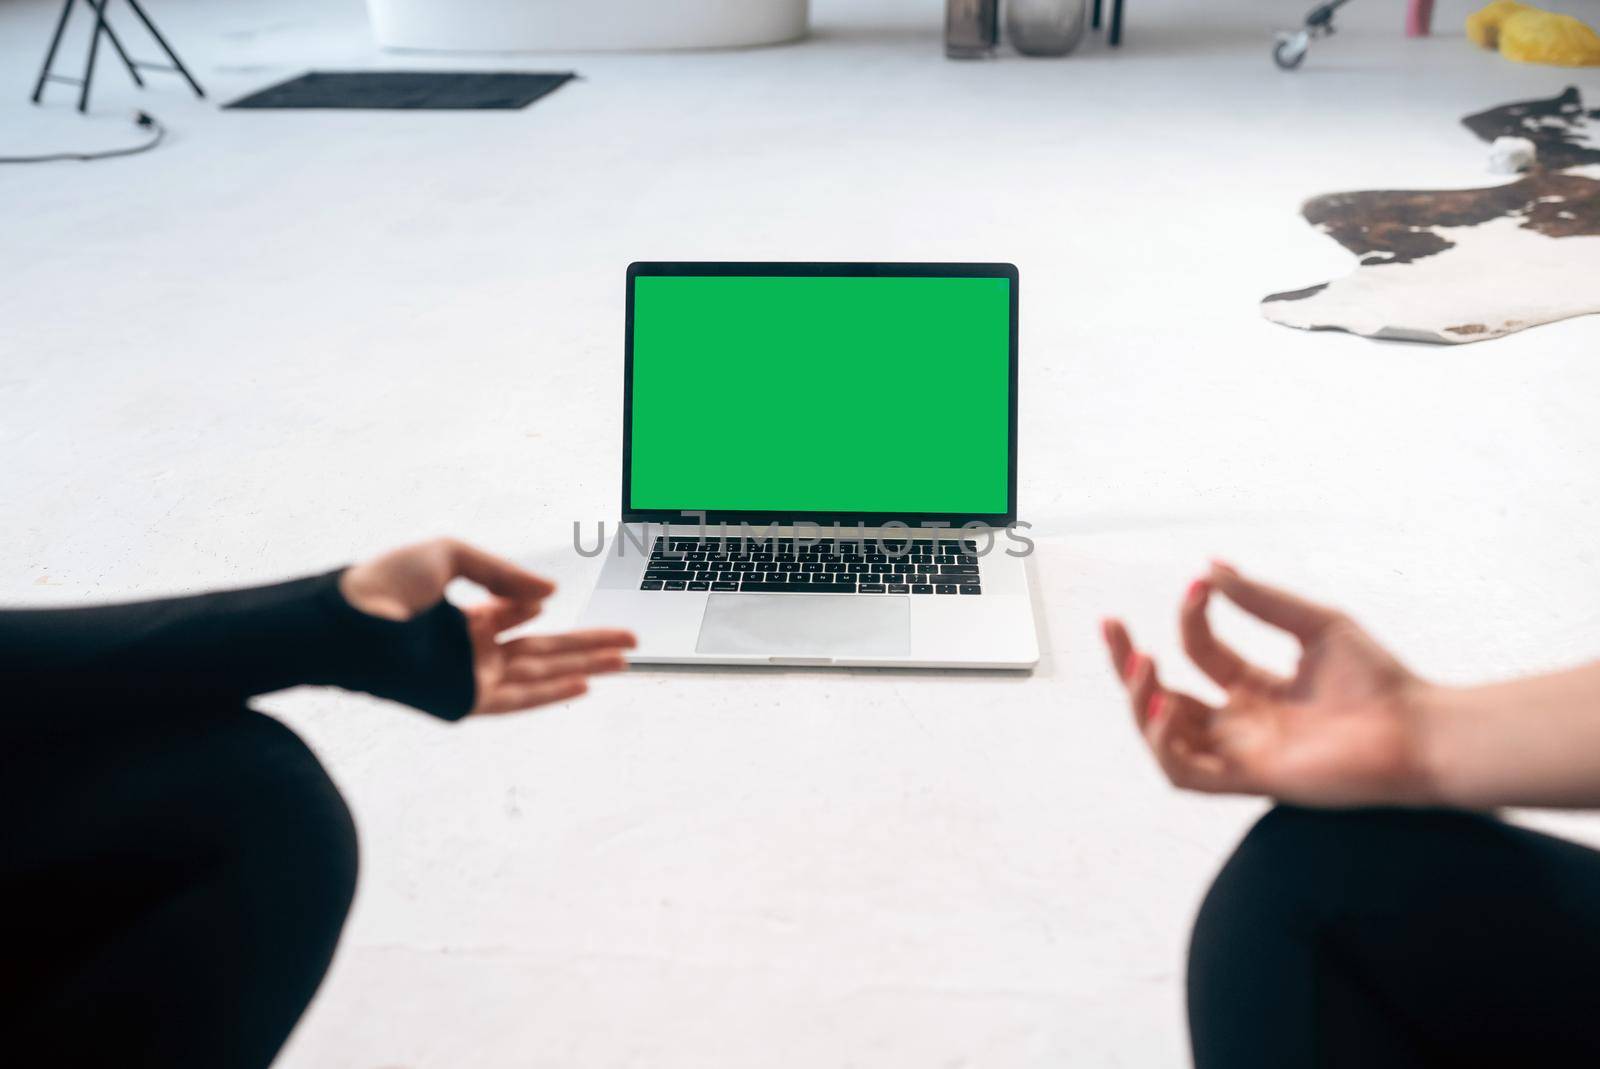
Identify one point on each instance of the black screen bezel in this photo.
(803, 270)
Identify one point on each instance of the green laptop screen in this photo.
(821, 394)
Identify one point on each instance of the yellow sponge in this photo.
(1484, 26)
(1533, 36)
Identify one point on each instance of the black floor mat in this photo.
(442, 90)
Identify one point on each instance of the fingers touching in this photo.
(518, 674)
(1211, 655)
(524, 673)
(1197, 746)
(1303, 619)
(1216, 658)
(402, 583)
(498, 615)
(498, 576)
(518, 594)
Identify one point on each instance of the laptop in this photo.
(819, 467)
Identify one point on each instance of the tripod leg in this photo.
(1094, 20)
(162, 41)
(111, 35)
(94, 48)
(1115, 37)
(50, 56)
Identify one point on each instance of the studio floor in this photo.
(285, 340)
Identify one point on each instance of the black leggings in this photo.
(174, 867)
(171, 891)
(1387, 938)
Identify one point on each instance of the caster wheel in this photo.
(1290, 51)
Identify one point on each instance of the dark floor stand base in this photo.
(1114, 38)
(102, 27)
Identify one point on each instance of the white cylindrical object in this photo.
(584, 25)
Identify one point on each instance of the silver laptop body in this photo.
(820, 468)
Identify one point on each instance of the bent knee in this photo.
(281, 822)
(1299, 867)
(307, 831)
(1255, 935)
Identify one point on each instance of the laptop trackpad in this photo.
(806, 625)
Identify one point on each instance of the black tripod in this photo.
(101, 26)
(1115, 37)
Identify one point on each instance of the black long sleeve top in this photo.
(223, 648)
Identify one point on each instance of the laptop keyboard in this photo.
(828, 566)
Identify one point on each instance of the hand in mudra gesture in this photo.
(518, 674)
(1344, 729)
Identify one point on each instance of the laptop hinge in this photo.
(847, 531)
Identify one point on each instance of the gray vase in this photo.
(1046, 27)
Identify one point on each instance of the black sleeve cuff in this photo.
(424, 662)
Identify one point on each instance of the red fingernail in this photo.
(1197, 591)
(1153, 710)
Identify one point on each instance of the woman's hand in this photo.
(519, 674)
(1345, 729)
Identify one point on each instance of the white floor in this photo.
(285, 340)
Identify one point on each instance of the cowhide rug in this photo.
(1463, 265)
